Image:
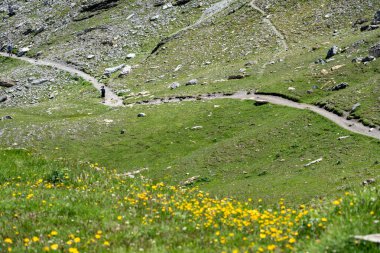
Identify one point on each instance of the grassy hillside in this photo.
(244, 148)
(70, 210)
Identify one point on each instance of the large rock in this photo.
(99, 5)
(7, 83)
(332, 51)
(23, 51)
(376, 18)
(375, 50)
(192, 82)
(109, 71)
(339, 86)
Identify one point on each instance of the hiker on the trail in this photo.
(9, 49)
(103, 92)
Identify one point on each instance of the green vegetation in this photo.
(52, 207)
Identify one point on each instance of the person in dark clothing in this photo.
(103, 92)
(9, 49)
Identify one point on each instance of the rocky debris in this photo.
(332, 52)
(375, 50)
(99, 5)
(3, 99)
(180, 2)
(38, 81)
(343, 137)
(141, 114)
(7, 83)
(375, 238)
(131, 56)
(90, 56)
(355, 106)
(190, 181)
(291, 89)
(197, 127)
(109, 71)
(192, 82)
(108, 121)
(125, 71)
(260, 102)
(174, 85)
(314, 162)
(339, 86)
(368, 181)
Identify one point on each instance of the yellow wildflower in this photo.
(8, 240)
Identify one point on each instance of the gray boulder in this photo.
(174, 85)
(192, 82)
(332, 51)
(339, 86)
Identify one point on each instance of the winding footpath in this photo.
(206, 15)
(280, 37)
(111, 98)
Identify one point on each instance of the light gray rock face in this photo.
(109, 71)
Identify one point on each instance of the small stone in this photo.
(197, 127)
(356, 106)
(131, 56)
(174, 85)
(140, 115)
(90, 56)
(192, 82)
(368, 181)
